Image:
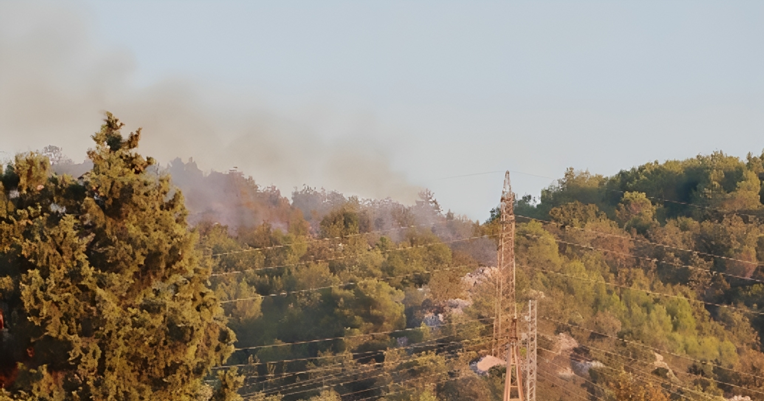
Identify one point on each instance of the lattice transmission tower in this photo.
(513, 382)
(505, 308)
(531, 353)
(505, 339)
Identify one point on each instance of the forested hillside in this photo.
(121, 286)
(656, 273)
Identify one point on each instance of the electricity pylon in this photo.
(505, 306)
(513, 365)
(531, 353)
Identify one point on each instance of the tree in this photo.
(636, 211)
(626, 388)
(105, 284)
(576, 214)
(340, 223)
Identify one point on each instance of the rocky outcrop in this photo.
(482, 365)
(662, 369)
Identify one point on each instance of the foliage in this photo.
(105, 291)
(595, 236)
(332, 297)
(626, 388)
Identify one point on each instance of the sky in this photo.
(384, 98)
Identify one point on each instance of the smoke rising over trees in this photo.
(132, 281)
(52, 64)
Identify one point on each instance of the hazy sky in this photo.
(380, 98)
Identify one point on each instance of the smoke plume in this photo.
(56, 82)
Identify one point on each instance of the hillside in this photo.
(655, 274)
(649, 284)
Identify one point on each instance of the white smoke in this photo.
(56, 82)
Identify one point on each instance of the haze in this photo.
(382, 99)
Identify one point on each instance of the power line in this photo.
(563, 367)
(447, 345)
(615, 370)
(490, 172)
(341, 374)
(336, 365)
(343, 355)
(307, 358)
(310, 358)
(324, 368)
(349, 256)
(358, 335)
(488, 236)
(366, 367)
(652, 292)
(643, 241)
(554, 179)
(330, 367)
(369, 367)
(652, 348)
(327, 239)
(467, 175)
(622, 192)
(645, 379)
(693, 205)
(245, 365)
(685, 373)
(318, 369)
(544, 270)
(347, 284)
(569, 392)
(366, 378)
(451, 268)
(560, 241)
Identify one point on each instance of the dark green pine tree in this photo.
(103, 295)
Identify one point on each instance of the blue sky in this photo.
(348, 94)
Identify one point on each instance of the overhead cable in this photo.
(350, 256)
(642, 241)
(661, 294)
(308, 358)
(560, 241)
(366, 368)
(652, 348)
(327, 239)
(347, 284)
(466, 321)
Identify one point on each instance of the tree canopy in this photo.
(649, 285)
(104, 295)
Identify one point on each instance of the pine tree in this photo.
(102, 291)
